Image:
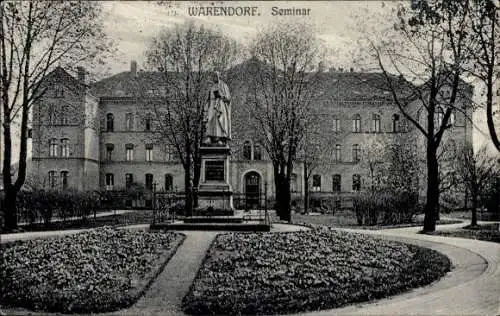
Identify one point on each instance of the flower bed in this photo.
(96, 271)
(302, 271)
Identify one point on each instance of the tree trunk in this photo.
(306, 189)
(196, 182)
(473, 222)
(284, 198)
(432, 190)
(188, 183)
(10, 210)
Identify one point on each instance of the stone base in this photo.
(218, 196)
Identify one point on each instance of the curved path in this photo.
(471, 288)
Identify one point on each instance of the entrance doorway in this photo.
(252, 190)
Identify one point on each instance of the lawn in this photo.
(100, 270)
(486, 232)
(276, 273)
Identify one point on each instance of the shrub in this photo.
(386, 208)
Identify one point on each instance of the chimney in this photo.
(133, 67)
(81, 74)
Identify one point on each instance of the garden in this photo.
(275, 273)
(100, 270)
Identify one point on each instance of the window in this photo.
(109, 151)
(52, 179)
(169, 153)
(376, 123)
(356, 124)
(129, 179)
(293, 182)
(257, 153)
(452, 118)
(149, 152)
(64, 179)
(129, 148)
(53, 147)
(65, 147)
(338, 153)
(110, 122)
(336, 124)
(247, 150)
(316, 183)
(355, 153)
(147, 123)
(356, 182)
(149, 181)
(59, 93)
(110, 181)
(395, 123)
(64, 115)
(129, 122)
(336, 185)
(169, 182)
(439, 117)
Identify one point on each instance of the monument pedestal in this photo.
(215, 194)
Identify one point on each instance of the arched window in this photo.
(110, 122)
(149, 181)
(336, 124)
(129, 149)
(395, 123)
(110, 181)
(53, 147)
(376, 123)
(293, 182)
(129, 122)
(169, 182)
(247, 150)
(64, 115)
(356, 182)
(355, 152)
(65, 147)
(336, 183)
(257, 152)
(64, 179)
(338, 152)
(109, 151)
(52, 179)
(356, 124)
(316, 183)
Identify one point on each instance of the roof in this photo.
(61, 75)
(334, 85)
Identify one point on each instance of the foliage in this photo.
(38, 203)
(282, 273)
(386, 208)
(96, 271)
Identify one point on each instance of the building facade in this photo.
(98, 137)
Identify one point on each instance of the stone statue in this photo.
(218, 118)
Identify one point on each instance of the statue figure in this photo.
(218, 118)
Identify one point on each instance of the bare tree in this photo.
(281, 95)
(37, 36)
(187, 56)
(484, 22)
(432, 60)
(374, 154)
(477, 171)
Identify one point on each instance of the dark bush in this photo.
(386, 208)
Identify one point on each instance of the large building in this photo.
(98, 137)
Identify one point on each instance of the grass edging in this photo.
(428, 266)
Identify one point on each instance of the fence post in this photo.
(265, 203)
(154, 203)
